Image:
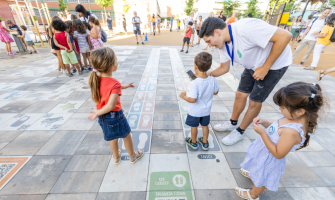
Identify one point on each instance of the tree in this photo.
(331, 4)
(126, 6)
(252, 8)
(230, 5)
(104, 4)
(272, 3)
(189, 7)
(291, 7)
(62, 5)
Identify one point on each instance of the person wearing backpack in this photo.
(136, 21)
(311, 36)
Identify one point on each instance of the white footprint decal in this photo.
(142, 140)
(146, 119)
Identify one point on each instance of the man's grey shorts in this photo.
(138, 32)
(259, 90)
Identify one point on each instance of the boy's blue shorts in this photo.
(195, 121)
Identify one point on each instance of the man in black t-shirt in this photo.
(222, 16)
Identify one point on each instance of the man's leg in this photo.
(311, 45)
(302, 45)
(239, 104)
(252, 112)
(136, 37)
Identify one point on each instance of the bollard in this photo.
(146, 37)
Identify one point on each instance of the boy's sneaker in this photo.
(85, 70)
(90, 68)
(35, 51)
(181, 50)
(137, 43)
(74, 71)
(191, 144)
(232, 138)
(30, 52)
(27, 50)
(226, 126)
(143, 43)
(205, 146)
(186, 51)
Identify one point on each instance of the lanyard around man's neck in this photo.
(231, 55)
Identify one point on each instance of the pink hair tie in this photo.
(95, 70)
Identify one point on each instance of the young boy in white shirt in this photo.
(200, 97)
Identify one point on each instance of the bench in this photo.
(41, 30)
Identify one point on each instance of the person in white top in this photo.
(27, 38)
(68, 14)
(263, 51)
(84, 14)
(190, 19)
(295, 26)
(311, 36)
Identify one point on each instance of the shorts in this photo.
(260, 90)
(114, 125)
(153, 23)
(193, 31)
(78, 56)
(195, 121)
(186, 39)
(85, 50)
(198, 32)
(30, 43)
(138, 32)
(55, 54)
(67, 57)
(178, 27)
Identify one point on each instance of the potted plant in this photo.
(36, 20)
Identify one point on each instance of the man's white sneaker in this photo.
(226, 126)
(232, 138)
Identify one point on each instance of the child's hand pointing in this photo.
(93, 116)
(127, 86)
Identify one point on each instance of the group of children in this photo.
(72, 39)
(26, 39)
(299, 104)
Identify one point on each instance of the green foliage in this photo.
(291, 7)
(104, 3)
(253, 9)
(35, 18)
(189, 7)
(272, 3)
(62, 5)
(177, 16)
(229, 6)
(126, 6)
(331, 4)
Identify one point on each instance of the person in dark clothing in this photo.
(224, 18)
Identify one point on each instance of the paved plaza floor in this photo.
(50, 150)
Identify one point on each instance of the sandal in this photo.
(118, 160)
(135, 158)
(309, 68)
(244, 173)
(70, 75)
(321, 72)
(240, 192)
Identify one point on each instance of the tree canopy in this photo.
(189, 7)
(104, 3)
(229, 6)
(252, 8)
(126, 6)
(62, 5)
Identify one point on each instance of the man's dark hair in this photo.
(209, 25)
(203, 61)
(327, 8)
(249, 15)
(59, 25)
(190, 23)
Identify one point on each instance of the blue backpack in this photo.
(103, 35)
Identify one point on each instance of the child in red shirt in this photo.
(106, 92)
(187, 37)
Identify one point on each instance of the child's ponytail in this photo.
(102, 60)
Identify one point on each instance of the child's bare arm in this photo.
(68, 42)
(186, 98)
(261, 121)
(107, 108)
(59, 45)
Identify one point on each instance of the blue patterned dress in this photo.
(264, 169)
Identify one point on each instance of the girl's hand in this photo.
(259, 129)
(128, 86)
(257, 120)
(93, 116)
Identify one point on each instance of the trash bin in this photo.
(20, 45)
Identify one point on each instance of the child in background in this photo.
(106, 92)
(62, 40)
(28, 40)
(83, 40)
(178, 25)
(70, 30)
(200, 99)
(14, 27)
(187, 37)
(5, 37)
(95, 34)
(87, 27)
(266, 157)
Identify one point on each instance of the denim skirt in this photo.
(114, 125)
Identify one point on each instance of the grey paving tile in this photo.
(234, 159)
(38, 176)
(89, 163)
(326, 174)
(78, 96)
(59, 148)
(325, 138)
(165, 87)
(27, 143)
(167, 125)
(279, 195)
(83, 196)
(168, 141)
(241, 180)
(68, 136)
(16, 106)
(29, 86)
(319, 159)
(166, 116)
(166, 106)
(23, 197)
(305, 178)
(166, 98)
(100, 147)
(8, 136)
(166, 93)
(78, 182)
(121, 195)
(216, 194)
(80, 120)
(317, 193)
